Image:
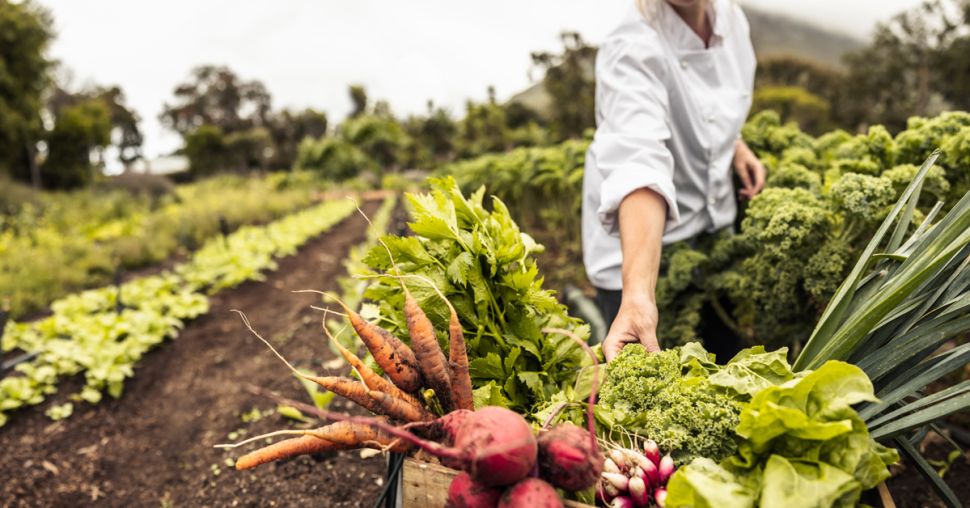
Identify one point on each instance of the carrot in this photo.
(461, 383)
(303, 445)
(350, 389)
(434, 366)
(394, 357)
(354, 435)
(370, 378)
(399, 408)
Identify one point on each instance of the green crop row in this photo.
(94, 334)
(53, 244)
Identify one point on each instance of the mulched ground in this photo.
(153, 446)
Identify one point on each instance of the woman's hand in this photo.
(635, 323)
(749, 169)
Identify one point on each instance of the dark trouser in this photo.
(608, 301)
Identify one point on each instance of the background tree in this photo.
(215, 95)
(78, 130)
(895, 76)
(288, 128)
(570, 81)
(126, 135)
(238, 110)
(25, 32)
(358, 99)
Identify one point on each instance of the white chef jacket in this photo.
(668, 114)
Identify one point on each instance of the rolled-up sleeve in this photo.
(630, 147)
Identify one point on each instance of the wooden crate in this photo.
(426, 485)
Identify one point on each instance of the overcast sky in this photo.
(308, 51)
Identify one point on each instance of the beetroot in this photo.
(530, 493)
(569, 458)
(465, 493)
(497, 446)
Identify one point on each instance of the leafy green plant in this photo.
(486, 267)
(908, 293)
(88, 334)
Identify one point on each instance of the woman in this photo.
(673, 88)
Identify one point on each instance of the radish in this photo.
(605, 495)
(660, 496)
(639, 493)
(530, 493)
(620, 459)
(622, 502)
(652, 451)
(650, 473)
(465, 493)
(569, 457)
(620, 481)
(666, 468)
(610, 467)
(609, 490)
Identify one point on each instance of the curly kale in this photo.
(827, 268)
(659, 396)
(935, 186)
(862, 197)
(794, 176)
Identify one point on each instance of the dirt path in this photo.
(153, 447)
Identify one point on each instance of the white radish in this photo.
(620, 459)
(639, 492)
(622, 502)
(652, 451)
(620, 481)
(665, 469)
(610, 467)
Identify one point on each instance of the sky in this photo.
(308, 51)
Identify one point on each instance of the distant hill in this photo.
(774, 34)
(771, 34)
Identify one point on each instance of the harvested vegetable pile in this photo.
(683, 400)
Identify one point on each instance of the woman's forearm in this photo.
(642, 216)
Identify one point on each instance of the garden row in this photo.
(53, 244)
(102, 333)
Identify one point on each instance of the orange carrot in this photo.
(370, 378)
(302, 445)
(394, 357)
(434, 366)
(461, 382)
(400, 409)
(357, 435)
(350, 389)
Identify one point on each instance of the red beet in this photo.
(530, 493)
(569, 458)
(465, 493)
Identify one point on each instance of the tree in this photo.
(215, 95)
(78, 130)
(379, 137)
(289, 128)
(896, 76)
(205, 148)
(358, 97)
(570, 80)
(125, 132)
(25, 32)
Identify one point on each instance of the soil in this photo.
(910, 490)
(154, 445)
